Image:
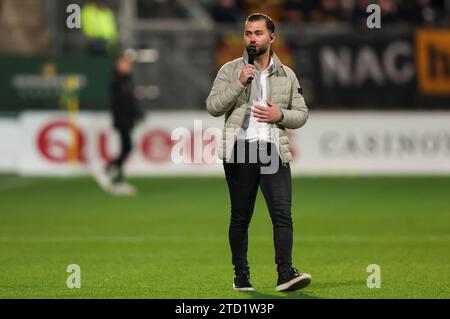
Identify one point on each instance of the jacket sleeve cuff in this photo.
(237, 87)
(283, 122)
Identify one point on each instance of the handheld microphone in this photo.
(251, 50)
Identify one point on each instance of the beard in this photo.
(261, 50)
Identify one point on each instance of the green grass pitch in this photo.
(170, 241)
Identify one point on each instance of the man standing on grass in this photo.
(259, 102)
(125, 115)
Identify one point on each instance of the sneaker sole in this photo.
(295, 284)
(243, 289)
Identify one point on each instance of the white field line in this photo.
(258, 239)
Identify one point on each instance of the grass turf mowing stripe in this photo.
(170, 241)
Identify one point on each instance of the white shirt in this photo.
(258, 131)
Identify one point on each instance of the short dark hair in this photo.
(261, 16)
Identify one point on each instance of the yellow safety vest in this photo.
(98, 23)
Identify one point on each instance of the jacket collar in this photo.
(276, 61)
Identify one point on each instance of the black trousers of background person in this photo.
(125, 142)
(243, 181)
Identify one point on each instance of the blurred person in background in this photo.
(160, 9)
(328, 12)
(360, 14)
(99, 26)
(226, 11)
(273, 8)
(125, 114)
(249, 105)
(298, 10)
(389, 11)
(423, 12)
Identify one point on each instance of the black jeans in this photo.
(243, 180)
(125, 149)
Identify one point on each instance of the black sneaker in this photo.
(292, 280)
(242, 281)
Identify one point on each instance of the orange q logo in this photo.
(58, 140)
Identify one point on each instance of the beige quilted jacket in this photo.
(228, 96)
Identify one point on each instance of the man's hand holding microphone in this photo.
(247, 74)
